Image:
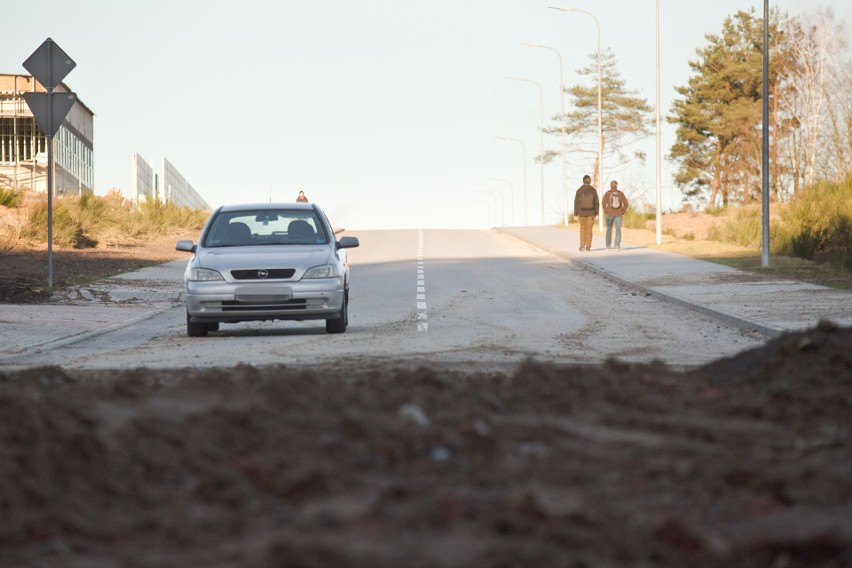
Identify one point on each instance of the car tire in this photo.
(339, 324)
(195, 329)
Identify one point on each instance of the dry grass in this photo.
(686, 234)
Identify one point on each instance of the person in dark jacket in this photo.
(614, 206)
(301, 197)
(586, 211)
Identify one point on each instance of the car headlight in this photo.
(324, 271)
(204, 275)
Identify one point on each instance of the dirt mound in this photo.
(745, 462)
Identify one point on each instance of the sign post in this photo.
(49, 65)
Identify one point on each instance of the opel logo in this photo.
(262, 274)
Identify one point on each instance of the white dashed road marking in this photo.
(422, 316)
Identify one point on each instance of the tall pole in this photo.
(659, 212)
(561, 130)
(600, 107)
(496, 194)
(511, 198)
(764, 254)
(540, 138)
(524, 148)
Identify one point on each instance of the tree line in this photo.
(718, 113)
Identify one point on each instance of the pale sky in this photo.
(385, 112)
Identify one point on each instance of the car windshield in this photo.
(265, 227)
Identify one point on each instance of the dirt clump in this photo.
(744, 462)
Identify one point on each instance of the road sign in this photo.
(49, 64)
(60, 104)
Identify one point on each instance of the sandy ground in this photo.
(745, 462)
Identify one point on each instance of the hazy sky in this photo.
(383, 111)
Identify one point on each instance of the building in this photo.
(23, 146)
(168, 186)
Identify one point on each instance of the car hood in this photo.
(300, 257)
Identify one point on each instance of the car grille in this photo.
(265, 306)
(255, 274)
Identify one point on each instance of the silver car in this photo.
(269, 261)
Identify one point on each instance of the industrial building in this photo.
(23, 146)
(167, 186)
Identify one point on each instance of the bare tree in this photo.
(815, 100)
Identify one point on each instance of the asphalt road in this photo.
(439, 296)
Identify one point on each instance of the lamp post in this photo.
(659, 212)
(764, 158)
(524, 148)
(511, 198)
(540, 137)
(488, 211)
(495, 194)
(561, 129)
(600, 105)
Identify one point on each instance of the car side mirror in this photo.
(186, 246)
(348, 242)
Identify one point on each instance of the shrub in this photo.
(88, 220)
(9, 197)
(71, 226)
(635, 218)
(817, 225)
(743, 230)
(716, 210)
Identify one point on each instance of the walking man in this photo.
(586, 211)
(614, 205)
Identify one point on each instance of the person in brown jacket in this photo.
(614, 205)
(586, 211)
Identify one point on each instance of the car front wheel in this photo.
(338, 324)
(195, 329)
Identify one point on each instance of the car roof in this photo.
(268, 206)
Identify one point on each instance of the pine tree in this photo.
(626, 118)
(718, 138)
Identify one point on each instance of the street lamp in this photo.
(600, 106)
(764, 177)
(659, 212)
(561, 128)
(488, 209)
(524, 148)
(540, 135)
(495, 194)
(511, 198)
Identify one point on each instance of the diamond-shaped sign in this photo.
(60, 104)
(49, 64)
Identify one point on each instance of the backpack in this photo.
(587, 200)
(615, 200)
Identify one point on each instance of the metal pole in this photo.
(764, 254)
(561, 129)
(50, 180)
(541, 138)
(511, 198)
(600, 129)
(495, 194)
(600, 106)
(659, 212)
(524, 148)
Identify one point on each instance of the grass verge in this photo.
(743, 258)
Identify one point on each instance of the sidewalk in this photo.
(87, 311)
(748, 301)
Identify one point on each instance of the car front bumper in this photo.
(232, 302)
